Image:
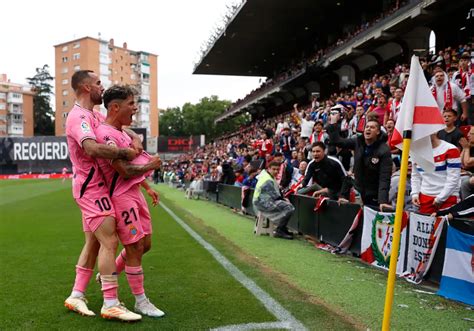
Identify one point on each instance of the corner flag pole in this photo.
(397, 230)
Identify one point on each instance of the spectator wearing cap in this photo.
(372, 162)
(361, 100)
(447, 94)
(450, 133)
(343, 154)
(337, 110)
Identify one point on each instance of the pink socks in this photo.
(120, 261)
(135, 279)
(83, 276)
(109, 286)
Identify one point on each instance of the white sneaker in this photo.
(97, 278)
(79, 305)
(119, 312)
(145, 307)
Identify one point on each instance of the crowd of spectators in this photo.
(340, 147)
(320, 54)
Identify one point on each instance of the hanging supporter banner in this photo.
(457, 281)
(45, 154)
(424, 234)
(377, 236)
(179, 144)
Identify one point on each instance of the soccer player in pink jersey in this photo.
(124, 179)
(92, 196)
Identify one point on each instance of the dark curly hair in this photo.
(119, 93)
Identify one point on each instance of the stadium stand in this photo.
(357, 68)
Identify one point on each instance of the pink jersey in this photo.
(81, 125)
(107, 134)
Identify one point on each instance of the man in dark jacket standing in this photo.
(372, 163)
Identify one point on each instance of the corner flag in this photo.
(420, 114)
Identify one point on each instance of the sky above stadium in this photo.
(174, 30)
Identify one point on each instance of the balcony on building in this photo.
(14, 108)
(14, 97)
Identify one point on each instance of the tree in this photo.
(197, 119)
(43, 113)
(171, 122)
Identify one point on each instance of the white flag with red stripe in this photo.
(420, 114)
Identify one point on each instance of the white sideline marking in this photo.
(286, 319)
(255, 326)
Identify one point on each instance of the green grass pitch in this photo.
(41, 238)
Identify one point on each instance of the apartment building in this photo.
(114, 65)
(16, 109)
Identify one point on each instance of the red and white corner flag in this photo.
(420, 114)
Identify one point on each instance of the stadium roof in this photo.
(263, 36)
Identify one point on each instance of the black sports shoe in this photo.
(285, 229)
(281, 234)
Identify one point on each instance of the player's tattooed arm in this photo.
(127, 170)
(136, 141)
(93, 149)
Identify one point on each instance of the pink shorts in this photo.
(133, 216)
(95, 208)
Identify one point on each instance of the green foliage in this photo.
(43, 113)
(171, 122)
(197, 119)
